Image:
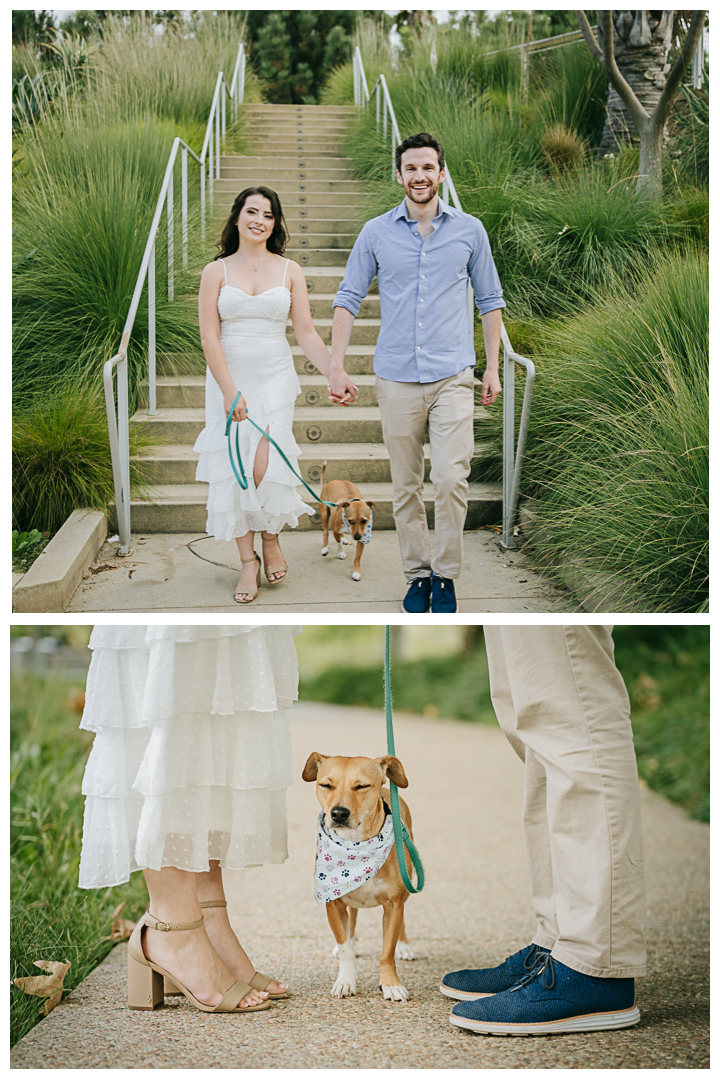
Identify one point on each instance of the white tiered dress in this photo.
(259, 359)
(191, 756)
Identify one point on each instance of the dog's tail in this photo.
(322, 472)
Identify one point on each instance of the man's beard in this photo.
(421, 200)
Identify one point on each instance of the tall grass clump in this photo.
(61, 457)
(51, 919)
(374, 43)
(617, 457)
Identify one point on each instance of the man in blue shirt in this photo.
(424, 252)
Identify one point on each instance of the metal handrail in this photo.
(119, 422)
(512, 453)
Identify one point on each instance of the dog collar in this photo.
(367, 535)
(343, 865)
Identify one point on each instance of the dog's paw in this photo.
(336, 948)
(344, 987)
(356, 575)
(394, 993)
(325, 550)
(403, 951)
(347, 540)
(342, 554)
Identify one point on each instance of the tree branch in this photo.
(692, 40)
(638, 113)
(590, 38)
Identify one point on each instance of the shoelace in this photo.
(539, 972)
(534, 957)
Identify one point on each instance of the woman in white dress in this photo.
(187, 774)
(245, 297)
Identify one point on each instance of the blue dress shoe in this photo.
(467, 985)
(443, 596)
(552, 1000)
(417, 598)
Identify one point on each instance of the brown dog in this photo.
(350, 791)
(357, 515)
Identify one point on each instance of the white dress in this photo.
(252, 335)
(191, 756)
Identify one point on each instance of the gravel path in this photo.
(465, 795)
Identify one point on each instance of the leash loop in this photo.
(240, 476)
(402, 837)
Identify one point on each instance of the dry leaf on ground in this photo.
(49, 986)
(120, 928)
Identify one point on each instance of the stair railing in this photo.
(512, 453)
(208, 160)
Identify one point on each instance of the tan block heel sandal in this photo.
(146, 988)
(258, 981)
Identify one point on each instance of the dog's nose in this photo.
(357, 536)
(340, 815)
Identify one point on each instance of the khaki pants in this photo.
(563, 707)
(444, 412)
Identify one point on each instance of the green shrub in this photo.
(26, 546)
(61, 458)
(51, 919)
(617, 455)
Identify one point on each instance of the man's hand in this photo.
(491, 387)
(341, 389)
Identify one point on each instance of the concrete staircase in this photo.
(297, 152)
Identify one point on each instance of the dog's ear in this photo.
(345, 503)
(374, 506)
(312, 764)
(393, 770)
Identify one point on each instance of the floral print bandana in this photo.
(343, 865)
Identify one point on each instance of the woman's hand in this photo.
(240, 410)
(341, 389)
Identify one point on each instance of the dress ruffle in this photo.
(191, 756)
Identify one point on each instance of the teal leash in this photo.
(240, 476)
(402, 837)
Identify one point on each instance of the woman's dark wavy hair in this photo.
(229, 242)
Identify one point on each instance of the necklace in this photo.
(249, 262)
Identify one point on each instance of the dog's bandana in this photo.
(367, 535)
(343, 865)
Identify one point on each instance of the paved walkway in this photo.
(180, 572)
(465, 794)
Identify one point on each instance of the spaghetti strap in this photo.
(224, 269)
(284, 273)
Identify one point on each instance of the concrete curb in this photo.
(53, 578)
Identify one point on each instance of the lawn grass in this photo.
(51, 919)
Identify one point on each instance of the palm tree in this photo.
(633, 52)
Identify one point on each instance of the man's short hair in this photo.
(416, 142)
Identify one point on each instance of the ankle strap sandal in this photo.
(145, 978)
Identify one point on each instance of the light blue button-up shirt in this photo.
(425, 333)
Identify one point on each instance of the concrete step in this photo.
(321, 306)
(307, 129)
(358, 360)
(328, 146)
(303, 238)
(304, 187)
(225, 199)
(304, 220)
(260, 161)
(316, 110)
(318, 256)
(361, 463)
(180, 508)
(313, 424)
(364, 332)
(272, 174)
(188, 391)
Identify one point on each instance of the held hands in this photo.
(341, 389)
(240, 410)
(491, 387)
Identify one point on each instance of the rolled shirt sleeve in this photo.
(360, 270)
(483, 274)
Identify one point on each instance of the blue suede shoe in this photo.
(417, 598)
(552, 1000)
(443, 596)
(468, 985)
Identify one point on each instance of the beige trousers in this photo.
(562, 705)
(442, 411)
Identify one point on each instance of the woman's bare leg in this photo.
(272, 555)
(247, 582)
(222, 935)
(189, 955)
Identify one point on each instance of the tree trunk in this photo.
(642, 42)
(649, 182)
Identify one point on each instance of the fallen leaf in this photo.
(523, 580)
(45, 985)
(120, 928)
(52, 1002)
